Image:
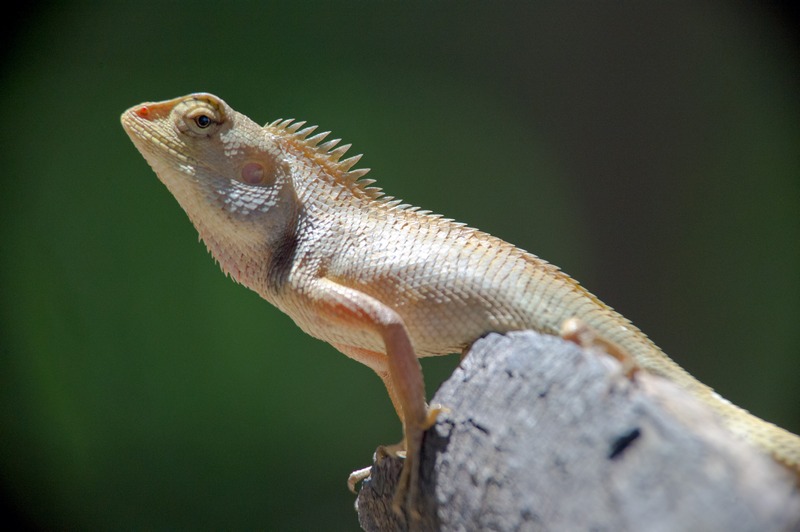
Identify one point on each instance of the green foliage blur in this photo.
(649, 150)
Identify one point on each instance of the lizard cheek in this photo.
(253, 173)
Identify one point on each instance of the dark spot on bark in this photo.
(623, 441)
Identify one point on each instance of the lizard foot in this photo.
(433, 412)
(578, 332)
(398, 450)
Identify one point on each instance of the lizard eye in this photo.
(202, 121)
(198, 118)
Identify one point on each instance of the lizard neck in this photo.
(257, 257)
(247, 229)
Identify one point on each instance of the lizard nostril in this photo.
(143, 111)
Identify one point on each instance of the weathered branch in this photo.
(542, 435)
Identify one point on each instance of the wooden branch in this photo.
(542, 435)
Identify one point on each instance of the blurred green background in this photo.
(649, 150)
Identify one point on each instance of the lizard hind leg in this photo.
(579, 332)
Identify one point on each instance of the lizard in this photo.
(380, 280)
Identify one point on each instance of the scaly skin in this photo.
(382, 282)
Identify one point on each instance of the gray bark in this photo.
(542, 435)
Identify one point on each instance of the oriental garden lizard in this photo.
(381, 281)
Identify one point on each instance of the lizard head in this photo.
(227, 173)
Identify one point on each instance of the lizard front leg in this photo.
(377, 361)
(349, 308)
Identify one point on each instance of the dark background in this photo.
(649, 150)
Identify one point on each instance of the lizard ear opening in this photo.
(253, 173)
(261, 171)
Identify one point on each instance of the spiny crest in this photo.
(330, 155)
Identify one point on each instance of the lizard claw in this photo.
(433, 412)
(357, 476)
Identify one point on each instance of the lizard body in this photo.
(381, 281)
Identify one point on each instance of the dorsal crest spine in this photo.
(329, 155)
